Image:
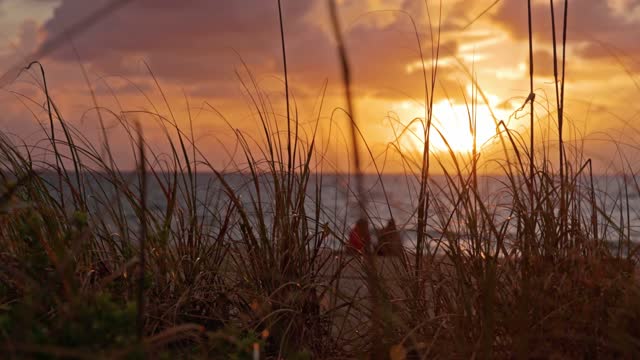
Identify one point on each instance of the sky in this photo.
(200, 63)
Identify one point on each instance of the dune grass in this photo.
(246, 264)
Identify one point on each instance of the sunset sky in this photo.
(196, 50)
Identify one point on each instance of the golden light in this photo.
(451, 127)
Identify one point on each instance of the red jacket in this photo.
(359, 237)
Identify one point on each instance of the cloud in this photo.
(25, 42)
(201, 43)
(594, 25)
(188, 41)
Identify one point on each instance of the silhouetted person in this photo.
(389, 240)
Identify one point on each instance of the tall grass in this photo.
(250, 263)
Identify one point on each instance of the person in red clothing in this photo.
(359, 237)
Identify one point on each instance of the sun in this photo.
(451, 128)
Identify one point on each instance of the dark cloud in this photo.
(202, 42)
(591, 22)
(187, 40)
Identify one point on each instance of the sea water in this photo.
(331, 200)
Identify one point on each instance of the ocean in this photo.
(331, 201)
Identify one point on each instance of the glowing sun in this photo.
(453, 127)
